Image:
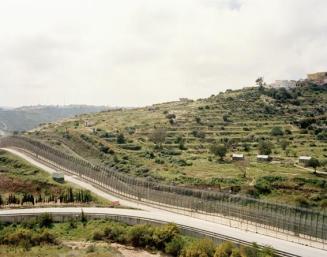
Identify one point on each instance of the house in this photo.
(58, 177)
(304, 160)
(283, 83)
(263, 158)
(319, 78)
(237, 157)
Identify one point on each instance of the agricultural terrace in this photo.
(190, 143)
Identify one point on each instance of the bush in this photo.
(175, 246)
(45, 220)
(263, 186)
(121, 139)
(199, 248)
(115, 232)
(140, 236)
(277, 131)
(164, 234)
(225, 249)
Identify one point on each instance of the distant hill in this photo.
(175, 142)
(29, 117)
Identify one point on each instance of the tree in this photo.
(158, 136)
(314, 163)
(284, 144)
(219, 150)
(260, 82)
(265, 147)
(121, 139)
(1, 201)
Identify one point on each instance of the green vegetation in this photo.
(28, 236)
(22, 184)
(171, 142)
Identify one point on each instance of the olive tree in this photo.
(314, 163)
(158, 137)
(219, 150)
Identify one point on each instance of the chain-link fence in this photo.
(276, 217)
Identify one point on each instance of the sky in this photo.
(139, 52)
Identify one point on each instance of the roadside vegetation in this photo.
(22, 184)
(45, 235)
(190, 143)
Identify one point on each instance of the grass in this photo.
(251, 116)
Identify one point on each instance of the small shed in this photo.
(304, 159)
(263, 158)
(58, 177)
(237, 156)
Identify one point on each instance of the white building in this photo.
(237, 157)
(304, 159)
(263, 158)
(283, 83)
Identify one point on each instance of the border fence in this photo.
(298, 222)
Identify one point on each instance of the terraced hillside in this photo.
(173, 142)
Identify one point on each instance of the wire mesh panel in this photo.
(279, 217)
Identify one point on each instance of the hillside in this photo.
(171, 142)
(26, 118)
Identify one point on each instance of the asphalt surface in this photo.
(149, 212)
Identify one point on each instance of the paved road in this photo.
(163, 215)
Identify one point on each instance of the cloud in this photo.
(140, 52)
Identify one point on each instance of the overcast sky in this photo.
(138, 52)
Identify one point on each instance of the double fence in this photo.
(298, 222)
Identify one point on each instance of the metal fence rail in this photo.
(300, 222)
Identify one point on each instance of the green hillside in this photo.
(172, 142)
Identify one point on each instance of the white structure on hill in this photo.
(237, 157)
(283, 83)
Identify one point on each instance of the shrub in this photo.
(164, 234)
(175, 246)
(225, 250)
(115, 232)
(263, 186)
(140, 236)
(277, 131)
(45, 220)
(199, 248)
(98, 235)
(121, 139)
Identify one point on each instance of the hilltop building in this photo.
(319, 78)
(283, 83)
